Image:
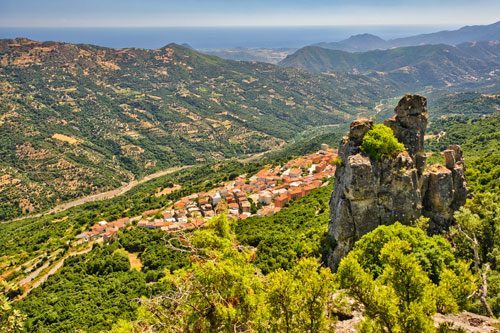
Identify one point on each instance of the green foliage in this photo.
(477, 238)
(155, 255)
(11, 320)
(222, 291)
(219, 291)
(295, 232)
(95, 290)
(86, 293)
(380, 141)
(433, 253)
(402, 277)
(297, 299)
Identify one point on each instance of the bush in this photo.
(380, 141)
(402, 277)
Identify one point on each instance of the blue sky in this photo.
(154, 13)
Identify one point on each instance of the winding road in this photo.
(125, 188)
(103, 195)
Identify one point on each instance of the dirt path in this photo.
(34, 281)
(116, 192)
(135, 262)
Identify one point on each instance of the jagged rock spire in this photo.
(369, 193)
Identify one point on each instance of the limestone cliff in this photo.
(369, 193)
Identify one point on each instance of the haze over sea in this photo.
(213, 37)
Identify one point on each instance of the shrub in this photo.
(380, 141)
(402, 277)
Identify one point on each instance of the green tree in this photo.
(478, 234)
(402, 277)
(298, 299)
(220, 291)
(380, 141)
(10, 320)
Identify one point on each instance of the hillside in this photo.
(81, 119)
(414, 67)
(368, 42)
(72, 297)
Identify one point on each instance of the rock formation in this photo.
(369, 193)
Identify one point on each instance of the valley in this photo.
(180, 108)
(263, 189)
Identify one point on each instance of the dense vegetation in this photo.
(223, 290)
(94, 290)
(402, 277)
(295, 232)
(91, 291)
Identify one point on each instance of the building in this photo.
(296, 192)
(245, 206)
(282, 200)
(265, 197)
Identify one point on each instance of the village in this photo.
(262, 194)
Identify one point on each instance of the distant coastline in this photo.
(212, 37)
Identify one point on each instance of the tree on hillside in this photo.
(298, 299)
(223, 291)
(10, 320)
(478, 232)
(402, 277)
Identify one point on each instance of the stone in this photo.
(410, 122)
(358, 129)
(449, 158)
(369, 193)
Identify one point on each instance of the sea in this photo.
(213, 37)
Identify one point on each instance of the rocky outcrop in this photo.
(369, 193)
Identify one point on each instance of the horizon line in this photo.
(249, 26)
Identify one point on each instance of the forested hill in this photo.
(416, 66)
(79, 119)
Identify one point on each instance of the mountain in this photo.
(81, 119)
(357, 43)
(475, 33)
(368, 42)
(415, 66)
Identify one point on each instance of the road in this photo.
(104, 195)
(125, 188)
(34, 280)
(128, 186)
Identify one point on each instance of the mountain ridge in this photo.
(368, 42)
(81, 119)
(419, 66)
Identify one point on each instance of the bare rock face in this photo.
(369, 193)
